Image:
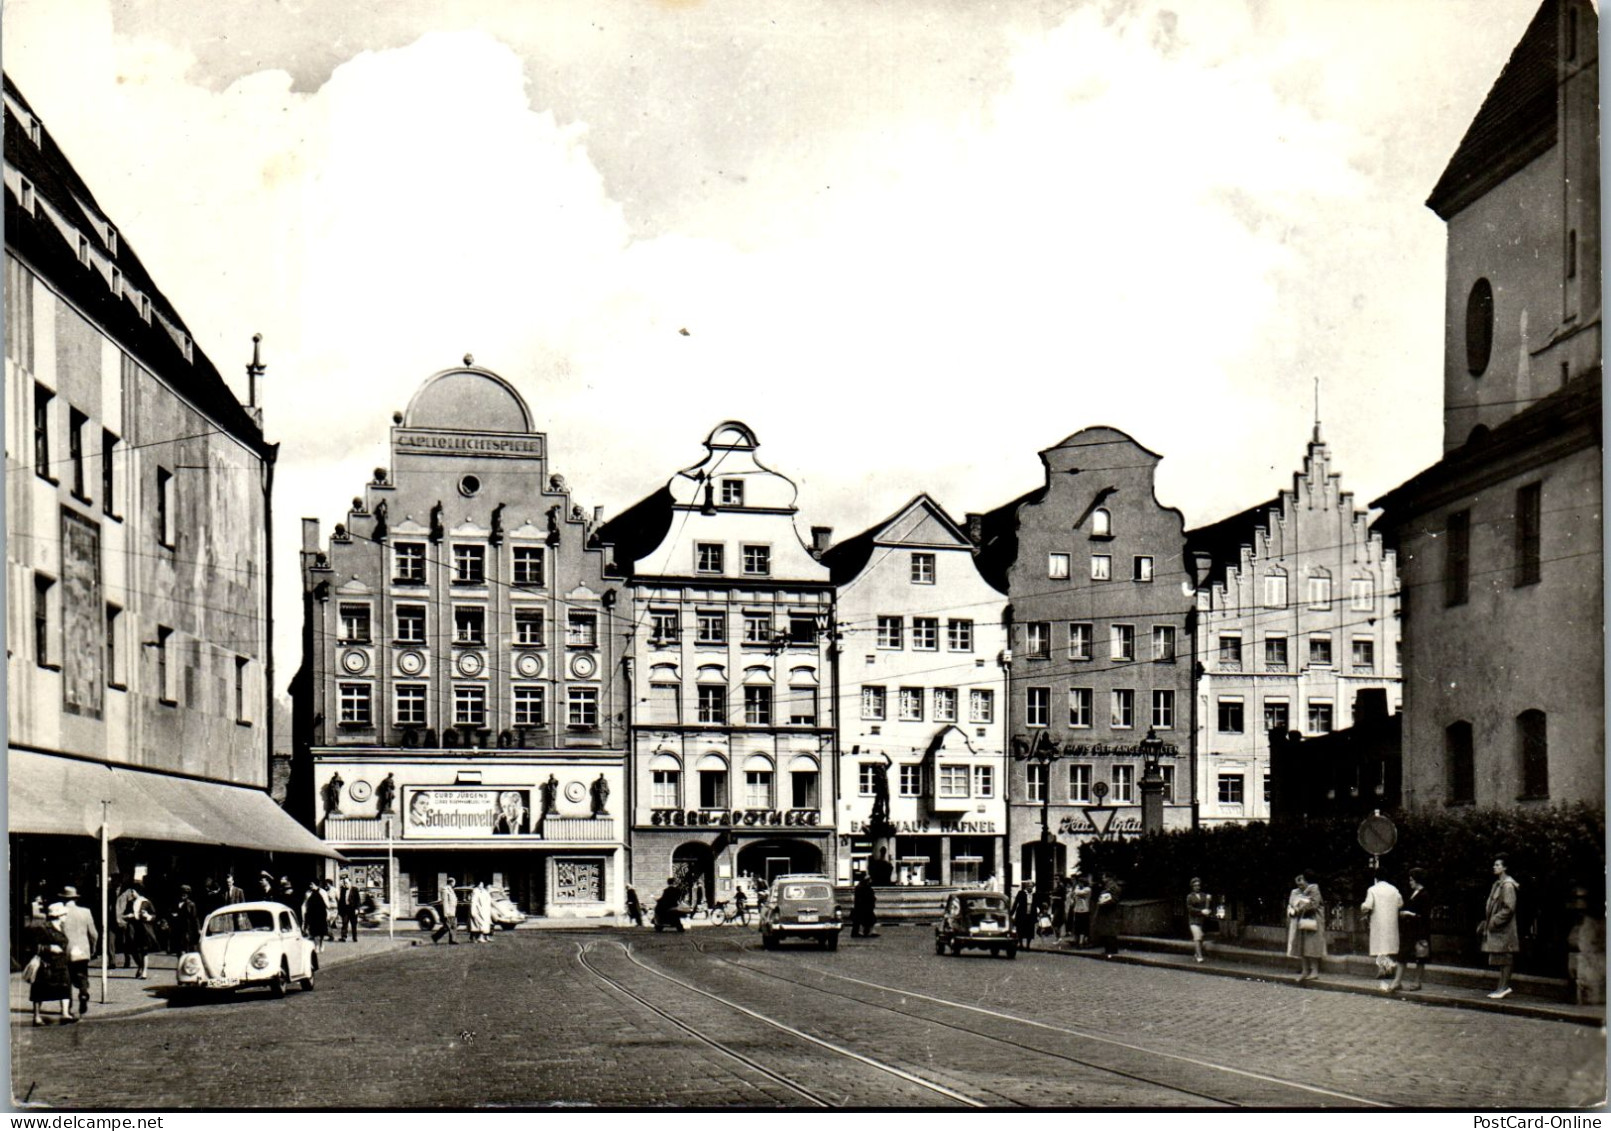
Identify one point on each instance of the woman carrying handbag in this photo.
(1306, 927)
(51, 979)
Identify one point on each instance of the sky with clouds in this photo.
(911, 243)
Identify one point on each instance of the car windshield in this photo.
(806, 891)
(258, 920)
(977, 906)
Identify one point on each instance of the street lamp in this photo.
(1152, 783)
(1043, 752)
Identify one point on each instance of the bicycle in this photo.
(728, 910)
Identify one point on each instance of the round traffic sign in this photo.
(1377, 835)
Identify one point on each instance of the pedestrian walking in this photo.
(450, 915)
(1306, 926)
(634, 908)
(315, 917)
(1383, 903)
(1059, 906)
(1023, 916)
(1500, 939)
(1199, 908)
(667, 911)
(1105, 916)
(347, 900)
(51, 980)
(232, 891)
(863, 907)
(1080, 909)
(741, 906)
(83, 944)
(184, 925)
(123, 914)
(480, 913)
(142, 928)
(1414, 932)
(266, 890)
(288, 895)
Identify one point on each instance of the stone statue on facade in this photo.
(601, 797)
(384, 793)
(550, 794)
(332, 796)
(878, 823)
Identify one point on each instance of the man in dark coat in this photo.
(666, 913)
(862, 915)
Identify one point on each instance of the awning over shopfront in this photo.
(62, 796)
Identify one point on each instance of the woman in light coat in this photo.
(1382, 904)
(1500, 940)
(1306, 927)
(481, 914)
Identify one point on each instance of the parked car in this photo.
(373, 910)
(801, 905)
(976, 918)
(250, 944)
(505, 913)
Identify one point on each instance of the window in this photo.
(805, 790)
(1163, 709)
(867, 779)
(469, 624)
(1079, 783)
(529, 565)
(1320, 650)
(1320, 716)
(666, 790)
(1141, 568)
(758, 628)
(1230, 715)
(529, 707)
(757, 561)
(582, 708)
(1457, 559)
(890, 632)
(945, 704)
(1124, 708)
(713, 788)
(1266, 787)
(42, 620)
(1532, 748)
(1124, 785)
(1319, 589)
(1038, 640)
(803, 705)
(710, 627)
(665, 703)
(1459, 758)
(1529, 516)
(1101, 523)
(984, 781)
(529, 627)
(922, 569)
(665, 627)
(116, 282)
(408, 559)
(873, 703)
(42, 399)
(108, 471)
(959, 635)
(1230, 653)
(1035, 775)
(1101, 567)
(75, 448)
(581, 630)
(354, 623)
(1277, 715)
(1479, 327)
(111, 240)
(758, 706)
(1275, 653)
(1057, 566)
(1168, 773)
(1362, 594)
(165, 508)
(1080, 707)
(165, 687)
(803, 628)
(145, 308)
(953, 781)
(1079, 641)
(758, 789)
(1230, 789)
(410, 700)
(357, 707)
(1364, 655)
(712, 705)
(1163, 643)
(469, 706)
(1037, 706)
(1275, 590)
(469, 565)
(732, 492)
(410, 624)
(925, 634)
(114, 651)
(84, 250)
(1123, 642)
(911, 704)
(981, 706)
(708, 557)
(27, 196)
(911, 781)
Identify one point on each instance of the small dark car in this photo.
(801, 905)
(979, 919)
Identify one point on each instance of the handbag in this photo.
(1423, 948)
(31, 971)
(1308, 923)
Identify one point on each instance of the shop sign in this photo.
(733, 818)
(459, 444)
(1022, 745)
(940, 828)
(1080, 824)
(466, 814)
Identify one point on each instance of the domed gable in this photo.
(732, 434)
(468, 400)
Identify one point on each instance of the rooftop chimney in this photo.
(821, 539)
(254, 374)
(975, 528)
(310, 535)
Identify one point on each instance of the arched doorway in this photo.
(771, 858)
(693, 866)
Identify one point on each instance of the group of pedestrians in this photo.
(61, 947)
(1081, 910)
(479, 913)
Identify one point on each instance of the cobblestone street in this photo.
(708, 1019)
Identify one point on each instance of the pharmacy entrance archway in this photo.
(769, 859)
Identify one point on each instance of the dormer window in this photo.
(732, 492)
(1101, 523)
(111, 240)
(36, 132)
(27, 195)
(185, 345)
(117, 282)
(84, 250)
(145, 308)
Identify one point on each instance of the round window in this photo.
(1479, 327)
(470, 485)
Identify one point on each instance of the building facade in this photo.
(137, 553)
(1297, 612)
(461, 706)
(1100, 672)
(1500, 542)
(731, 676)
(921, 695)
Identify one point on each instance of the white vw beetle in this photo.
(250, 944)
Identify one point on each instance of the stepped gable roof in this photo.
(38, 242)
(636, 531)
(1222, 541)
(1515, 124)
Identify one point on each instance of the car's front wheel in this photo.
(426, 918)
(1012, 950)
(956, 949)
(833, 941)
(313, 968)
(939, 944)
(282, 979)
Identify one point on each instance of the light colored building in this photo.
(921, 698)
(732, 740)
(138, 660)
(461, 702)
(1500, 543)
(1297, 612)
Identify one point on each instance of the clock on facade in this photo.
(410, 663)
(583, 666)
(529, 665)
(470, 663)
